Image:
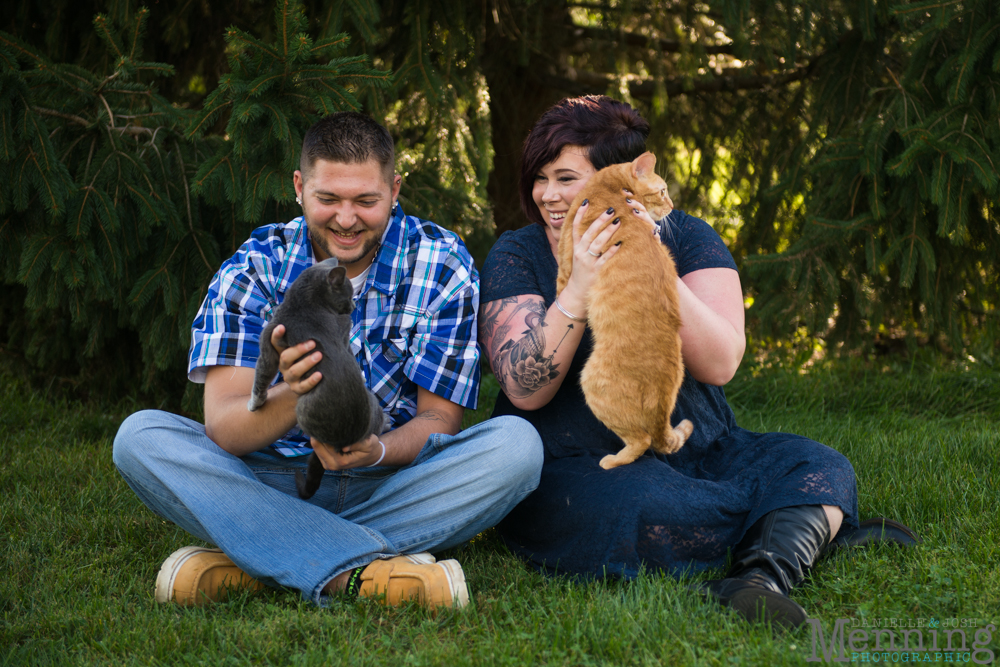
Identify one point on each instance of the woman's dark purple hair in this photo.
(611, 131)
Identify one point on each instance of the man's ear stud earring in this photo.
(298, 200)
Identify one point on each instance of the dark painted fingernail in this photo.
(619, 243)
(616, 221)
(584, 202)
(636, 211)
(610, 210)
(627, 200)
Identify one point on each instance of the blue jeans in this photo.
(457, 487)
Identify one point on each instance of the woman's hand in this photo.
(588, 256)
(359, 455)
(296, 361)
(639, 210)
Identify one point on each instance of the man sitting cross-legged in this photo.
(385, 502)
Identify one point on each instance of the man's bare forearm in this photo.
(404, 443)
(231, 425)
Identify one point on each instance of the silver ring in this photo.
(593, 254)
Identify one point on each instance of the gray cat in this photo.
(339, 411)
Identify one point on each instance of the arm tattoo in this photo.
(522, 362)
(493, 310)
(438, 421)
(431, 416)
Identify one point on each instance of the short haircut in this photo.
(611, 131)
(350, 138)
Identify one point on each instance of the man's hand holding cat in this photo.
(296, 361)
(359, 455)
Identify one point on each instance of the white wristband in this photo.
(381, 457)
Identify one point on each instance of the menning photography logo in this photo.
(893, 640)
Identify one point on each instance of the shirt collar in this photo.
(298, 258)
(387, 272)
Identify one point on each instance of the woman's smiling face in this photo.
(558, 183)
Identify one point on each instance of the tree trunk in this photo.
(519, 94)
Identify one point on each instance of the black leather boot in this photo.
(773, 557)
(874, 531)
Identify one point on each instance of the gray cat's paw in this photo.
(252, 404)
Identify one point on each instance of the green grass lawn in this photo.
(79, 553)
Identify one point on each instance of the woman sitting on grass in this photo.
(777, 500)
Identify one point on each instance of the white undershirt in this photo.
(358, 281)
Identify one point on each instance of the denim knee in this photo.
(129, 446)
(523, 452)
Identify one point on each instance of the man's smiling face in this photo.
(347, 208)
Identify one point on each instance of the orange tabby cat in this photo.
(635, 370)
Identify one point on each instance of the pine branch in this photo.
(592, 83)
(106, 81)
(978, 311)
(65, 116)
(134, 130)
(128, 129)
(187, 202)
(137, 30)
(642, 41)
(338, 40)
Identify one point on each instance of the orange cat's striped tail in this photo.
(675, 437)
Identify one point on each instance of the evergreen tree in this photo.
(92, 191)
(898, 232)
(118, 206)
(845, 150)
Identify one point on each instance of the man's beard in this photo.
(370, 244)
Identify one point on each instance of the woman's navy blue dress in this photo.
(672, 513)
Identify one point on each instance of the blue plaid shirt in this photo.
(414, 322)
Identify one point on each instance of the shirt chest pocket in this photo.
(388, 362)
(394, 350)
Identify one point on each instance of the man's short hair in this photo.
(351, 138)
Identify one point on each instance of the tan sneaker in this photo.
(404, 578)
(197, 576)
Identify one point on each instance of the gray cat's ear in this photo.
(337, 276)
(644, 164)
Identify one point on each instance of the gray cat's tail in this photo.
(378, 419)
(308, 484)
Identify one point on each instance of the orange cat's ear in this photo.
(643, 165)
